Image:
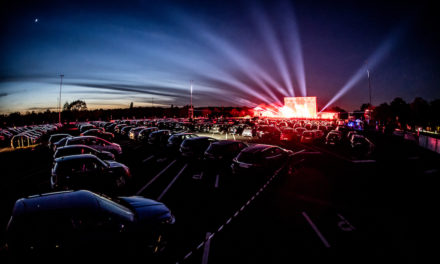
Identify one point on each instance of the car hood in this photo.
(147, 209)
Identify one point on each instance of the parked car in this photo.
(159, 138)
(54, 138)
(248, 132)
(96, 143)
(260, 159)
(82, 149)
(134, 132)
(268, 132)
(87, 171)
(144, 134)
(75, 224)
(174, 141)
(59, 143)
(224, 150)
(195, 147)
(99, 133)
(288, 134)
(308, 136)
(125, 131)
(333, 137)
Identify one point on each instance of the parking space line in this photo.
(363, 161)
(171, 183)
(217, 178)
(155, 177)
(147, 159)
(326, 244)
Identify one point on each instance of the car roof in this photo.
(257, 148)
(199, 138)
(80, 199)
(182, 134)
(75, 157)
(226, 142)
(76, 146)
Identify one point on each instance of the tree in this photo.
(66, 106)
(365, 106)
(420, 111)
(78, 105)
(131, 105)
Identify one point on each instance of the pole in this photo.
(59, 105)
(191, 104)
(369, 85)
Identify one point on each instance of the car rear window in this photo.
(248, 157)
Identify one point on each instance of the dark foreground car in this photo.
(224, 151)
(195, 147)
(82, 223)
(82, 149)
(174, 141)
(87, 171)
(54, 138)
(261, 159)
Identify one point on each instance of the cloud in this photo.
(3, 94)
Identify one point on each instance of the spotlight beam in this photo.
(373, 60)
(269, 37)
(296, 56)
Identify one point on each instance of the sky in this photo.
(234, 53)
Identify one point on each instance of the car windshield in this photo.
(247, 157)
(115, 208)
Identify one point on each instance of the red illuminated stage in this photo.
(294, 107)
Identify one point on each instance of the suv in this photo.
(80, 223)
(88, 171)
(96, 143)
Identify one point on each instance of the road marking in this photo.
(233, 136)
(155, 178)
(326, 244)
(344, 225)
(147, 159)
(363, 161)
(226, 135)
(171, 183)
(217, 178)
(198, 176)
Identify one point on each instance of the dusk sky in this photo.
(238, 53)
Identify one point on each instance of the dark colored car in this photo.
(80, 223)
(125, 131)
(96, 143)
(195, 147)
(87, 171)
(260, 159)
(99, 133)
(60, 143)
(224, 150)
(268, 132)
(333, 138)
(288, 134)
(82, 149)
(55, 138)
(159, 138)
(308, 136)
(144, 134)
(174, 141)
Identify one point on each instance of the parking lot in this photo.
(333, 206)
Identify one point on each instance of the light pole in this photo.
(191, 111)
(59, 105)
